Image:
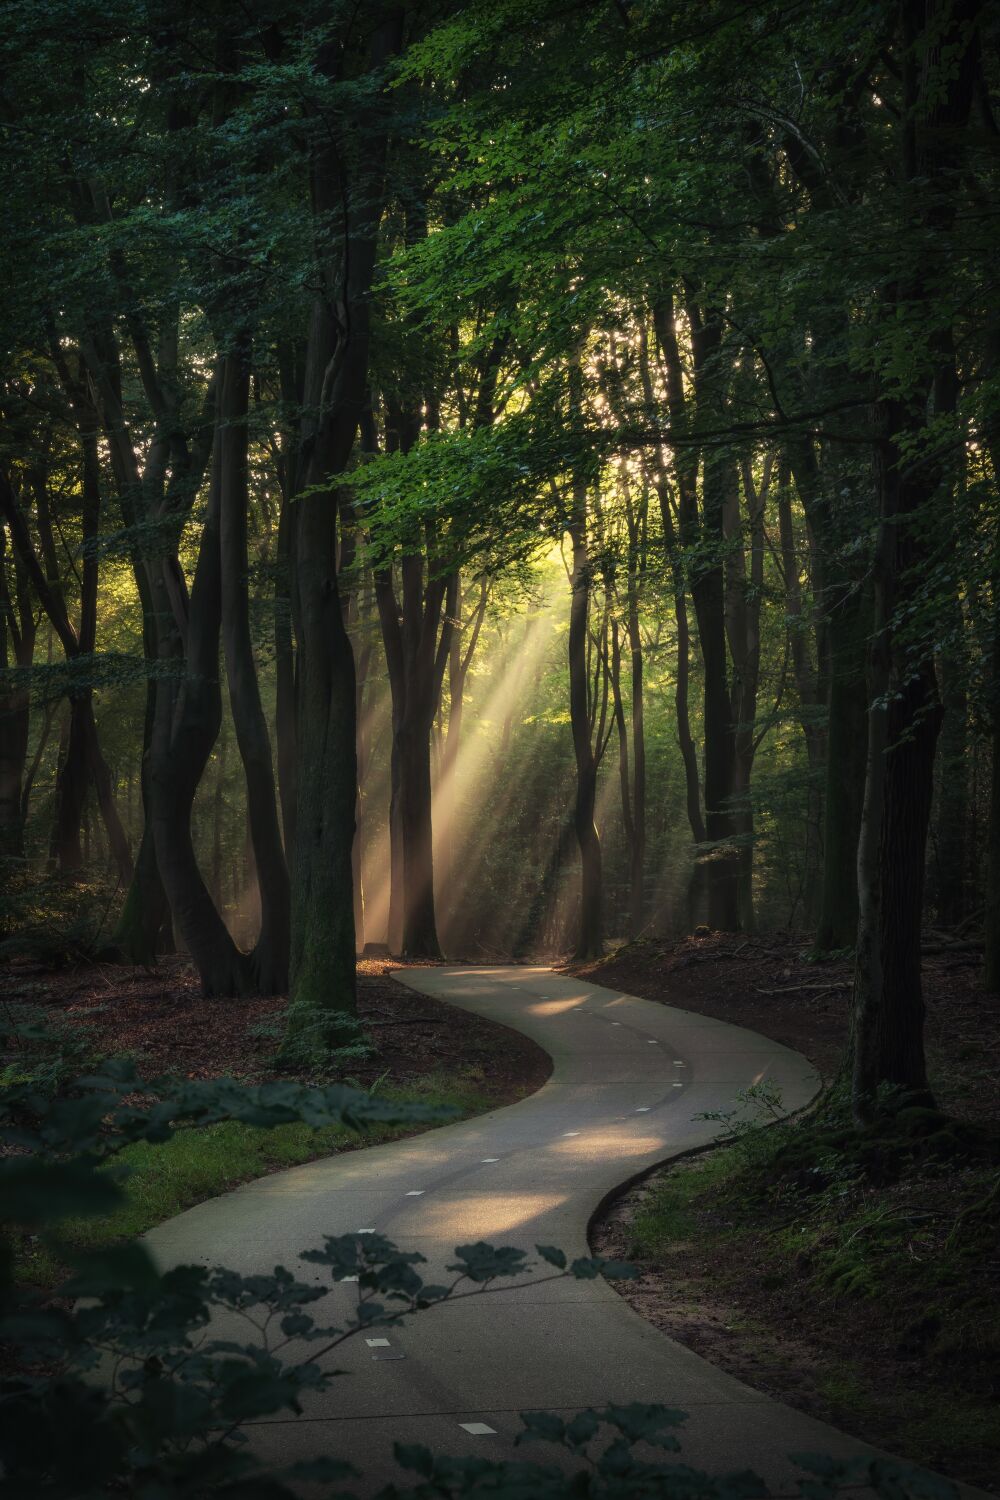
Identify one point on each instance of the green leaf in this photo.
(541, 1426)
(416, 1457)
(648, 1423)
(42, 1192)
(482, 1262)
(116, 1267)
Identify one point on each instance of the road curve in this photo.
(629, 1079)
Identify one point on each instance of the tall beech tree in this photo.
(335, 398)
(416, 637)
(940, 53)
(18, 631)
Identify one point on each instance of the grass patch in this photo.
(670, 1214)
(162, 1180)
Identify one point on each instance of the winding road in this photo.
(629, 1079)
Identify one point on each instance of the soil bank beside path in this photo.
(725, 1280)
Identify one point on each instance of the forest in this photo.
(507, 483)
(429, 452)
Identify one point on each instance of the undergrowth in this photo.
(882, 1242)
(162, 1179)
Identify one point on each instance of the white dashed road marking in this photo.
(485, 1159)
(416, 1193)
(477, 1429)
(383, 1349)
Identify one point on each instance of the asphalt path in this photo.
(629, 1082)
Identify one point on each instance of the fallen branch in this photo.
(410, 1021)
(790, 989)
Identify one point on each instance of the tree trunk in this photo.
(415, 657)
(887, 1008)
(284, 646)
(357, 873)
(938, 71)
(185, 728)
(719, 868)
(323, 951)
(806, 684)
(218, 808)
(991, 960)
(844, 789)
(15, 710)
(66, 849)
(697, 884)
(991, 969)
(952, 799)
(139, 932)
(86, 635)
(17, 649)
(420, 938)
(144, 927)
(708, 597)
(744, 591)
(686, 474)
(101, 776)
(624, 758)
(161, 490)
(362, 666)
(846, 618)
(396, 877)
(323, 948)
(392, 641)
(80, 757)
(423, 658)
(952, 792)
(284, 666)
(461, 650)
(590, 934)
(269, 960)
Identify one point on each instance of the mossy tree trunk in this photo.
(323, 978)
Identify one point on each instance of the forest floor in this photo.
(416, 1049)
(159, 1018)
(854, 1279)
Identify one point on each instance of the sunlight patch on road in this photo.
(609, 1143)
(545, 1007)
(485, 1213)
